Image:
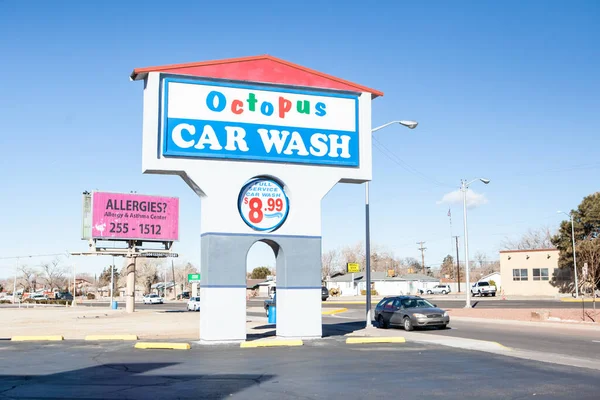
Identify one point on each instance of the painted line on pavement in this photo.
(111, 337)
(37, 338)
(162, 346)
(271, 343)
(367, 340)
(335, 311)
(572, 300)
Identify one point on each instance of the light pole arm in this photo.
(383, 126)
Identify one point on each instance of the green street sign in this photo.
(193, 278)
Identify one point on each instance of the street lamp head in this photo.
(486, 181)
(409, 124)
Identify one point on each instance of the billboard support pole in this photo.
(130, 302)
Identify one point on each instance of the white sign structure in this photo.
(261, 141)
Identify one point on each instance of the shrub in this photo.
(373, 292)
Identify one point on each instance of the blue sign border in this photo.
(252, 182)
(163, 130)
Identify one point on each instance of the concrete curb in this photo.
(336, 311)
(271, 343)
(368, 340)
(37, 338)
(110, 337)
(162, 346)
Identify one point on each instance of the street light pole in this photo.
(570, 215)
(574, 257)
(410, 125)
(464, 186)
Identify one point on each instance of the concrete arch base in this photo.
(223, 286)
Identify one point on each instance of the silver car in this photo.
(409, 312)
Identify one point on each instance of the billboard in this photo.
(129, 216)
(216, 120)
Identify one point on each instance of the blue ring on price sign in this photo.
(263, 204)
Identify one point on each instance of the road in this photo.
(327, 369)
(442, 303)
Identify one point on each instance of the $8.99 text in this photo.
(256, 214)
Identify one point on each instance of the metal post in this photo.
(468, 278)
(112, 282)
(457, 265)
(368, 254)
(15, 281)
(74, 302)
(574, 257)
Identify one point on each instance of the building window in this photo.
(521, 274)
(540, 274)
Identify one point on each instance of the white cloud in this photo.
(456, 197)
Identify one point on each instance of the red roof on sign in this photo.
(265, 68)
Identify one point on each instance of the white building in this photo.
(384, 285)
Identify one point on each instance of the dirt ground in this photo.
(73, 323)
(565, 314)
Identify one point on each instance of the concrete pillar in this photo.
(223, 289)
(299, 287)
(130, 292)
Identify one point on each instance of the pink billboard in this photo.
(134, 216)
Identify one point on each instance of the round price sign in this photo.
(263, 205)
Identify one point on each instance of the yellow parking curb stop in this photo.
(111, 337)
(37, 338)
(365, 340)
(335, 311)
(162, 346)
(271, 343)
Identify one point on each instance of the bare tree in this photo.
(481, 259)
(147, 273)
(329, 262)
(588, 252)
(533, 239)
(53, 274)
(27, 278)
(181, 274)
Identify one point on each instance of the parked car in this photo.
(63, 296)
(193, 304)
(153, 299)
(410, 312)
(483, 289)
(184, 295)
(324, 293)
(437, 289)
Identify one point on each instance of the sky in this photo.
(502, 90)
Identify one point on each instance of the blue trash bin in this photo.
(115, 305)
(272, 315)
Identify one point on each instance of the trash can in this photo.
(272, 314)
(115, 305)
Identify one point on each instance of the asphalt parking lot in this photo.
(326, 369)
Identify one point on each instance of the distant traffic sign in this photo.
(193, 278)
(353, 267)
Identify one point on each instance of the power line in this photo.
(32, 256)
(404, 165)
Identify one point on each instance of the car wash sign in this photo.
(210, 120)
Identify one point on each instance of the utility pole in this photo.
(174, 286)
(422, 254)
(457, 265)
